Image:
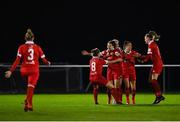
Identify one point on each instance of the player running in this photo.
(129, 76)
(96, 78)
(154, 55)
(29, 53)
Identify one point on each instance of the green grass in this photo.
(81, 107)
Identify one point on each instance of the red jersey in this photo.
(105, 54)
(96, 68)
(29, 53)
(130, 59)
(153, 50)
(113, 55)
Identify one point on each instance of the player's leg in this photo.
(133, 85)
(114, 92)
(110, 86)
(24, 75)
(95, 93)
(155, 85)
(110, 79)
(32, 81)
(133, 90)
(117, 83)
(127, 86)
(157, 89)
(120, 88)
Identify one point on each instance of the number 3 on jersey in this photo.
(93, 66)
(31, 54)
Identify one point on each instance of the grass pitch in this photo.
(81, 107)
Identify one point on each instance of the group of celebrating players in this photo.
(121, 68)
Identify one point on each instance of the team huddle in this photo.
(121, 69)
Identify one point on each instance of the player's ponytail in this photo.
(154, 35)
(29, 36)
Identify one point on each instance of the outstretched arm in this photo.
(114, 61)
(86, 53)
(45, 61)
(13, 67)
(137, 55)
(145, 58)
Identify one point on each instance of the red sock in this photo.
(115, 94)
(133, 94)
(127, 94)
(119, 90)
(121, 94)
(30, 93)
(95, 93)
(156, 87)
(109, 95)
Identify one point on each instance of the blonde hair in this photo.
(29, 36)
(154, 35)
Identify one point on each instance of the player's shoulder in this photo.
(153, 45)
(21, 46)
(37, 46)
(104, 51)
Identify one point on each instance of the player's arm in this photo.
(13, 67)
(119, 59)
(86, 53)
(137, 55)
(43, 57)
(114, 61)
(144, 58)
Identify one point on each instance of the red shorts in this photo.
(156, 69)
(131, 75)
(31, 75)
(100, 80)
(113, 74)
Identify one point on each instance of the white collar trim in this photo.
(150, 42)
(29, 42)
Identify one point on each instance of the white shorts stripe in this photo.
(19, 55)
(30, 85)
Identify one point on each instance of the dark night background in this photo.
(66, 27)
(63, 28)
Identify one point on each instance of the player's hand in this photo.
(84, 52)
(8, 74)
(140, 61)
(107, 62)
(49, 63)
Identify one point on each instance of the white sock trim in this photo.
(30, 85)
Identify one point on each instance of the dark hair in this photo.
(149, 36)
(29, 35)
(113, 43)
(116, 41)
(126, 43)
(153, 35)
(95, 52)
